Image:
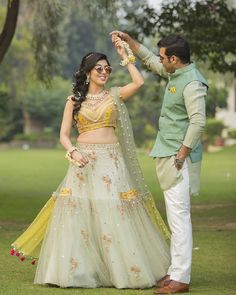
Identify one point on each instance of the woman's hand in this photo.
(78, 157)
(133, 44)
(122, 35)
(137, 79)
(119, 47)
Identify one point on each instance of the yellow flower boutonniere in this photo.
(172, 89)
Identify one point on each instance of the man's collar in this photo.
(182, 70)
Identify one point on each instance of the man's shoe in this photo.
(172, 288)
(163, 281)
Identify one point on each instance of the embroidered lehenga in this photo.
(100, 227)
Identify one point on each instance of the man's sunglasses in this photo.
(100, 68)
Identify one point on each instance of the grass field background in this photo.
(28, 177)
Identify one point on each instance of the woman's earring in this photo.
(87, 80)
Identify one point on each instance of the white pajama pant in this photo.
(177, 200)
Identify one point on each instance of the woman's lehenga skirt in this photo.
(100, 233)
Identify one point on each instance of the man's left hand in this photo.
(181, 156)
(179, 163)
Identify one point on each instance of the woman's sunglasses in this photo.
(100, 68)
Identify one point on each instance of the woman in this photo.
(102, 226)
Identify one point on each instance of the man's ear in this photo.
(174, 59)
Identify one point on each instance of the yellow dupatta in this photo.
(28, 245)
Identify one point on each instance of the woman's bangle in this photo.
(124, 62)
(130, 58)
(69, 155)
(127, 61)
(71, 150)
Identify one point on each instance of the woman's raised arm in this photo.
(137, 79)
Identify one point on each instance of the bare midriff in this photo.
(100, 135)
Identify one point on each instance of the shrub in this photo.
(213, 129)
(35, 137)
(232, 133)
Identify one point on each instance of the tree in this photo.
(45, 105)
(46, 16)
(216, 98)
(48, 20)
(47, 37)
(212, 38)
(184, 17)
(15, 74)
(9, 26)
(75, 37)
(10, 115)
(17, 71)
(209, 26)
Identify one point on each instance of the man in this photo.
(177, 148)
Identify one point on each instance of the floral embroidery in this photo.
(107, 240)
(73, 264)
(81, 178)
(172, 89)
(121, 208)
(93, 158)
(114, 157)
(135, 270)
(85, 235)
(107, 180)
(129, 195)
(65, 192)
(72, 204)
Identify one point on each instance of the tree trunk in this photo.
(9, 27)
(31, 125)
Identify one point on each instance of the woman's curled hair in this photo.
(80, 87)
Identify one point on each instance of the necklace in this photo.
(98, 96)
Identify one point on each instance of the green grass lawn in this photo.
(27, 179)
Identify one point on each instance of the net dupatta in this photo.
(126, 140)
(28, 244)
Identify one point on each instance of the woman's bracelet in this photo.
(130, 58)
(71, 150)
(69, 155)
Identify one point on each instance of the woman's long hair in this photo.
(80, 87)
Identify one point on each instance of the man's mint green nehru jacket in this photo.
(181, 121)
(174, 121)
